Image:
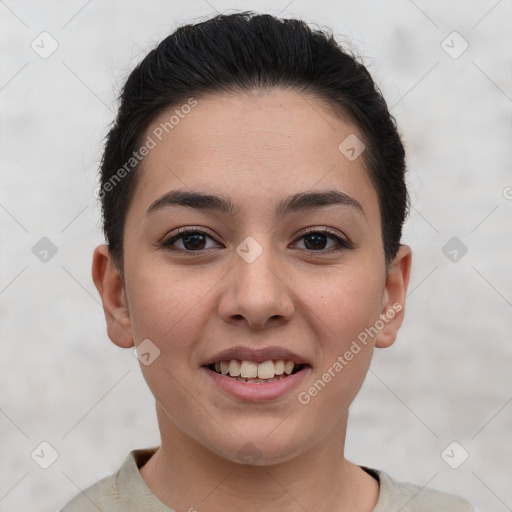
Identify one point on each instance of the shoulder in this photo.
(408, 497)
(124, 491)
(102, 495)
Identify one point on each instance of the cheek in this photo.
(345, 302)
(345, 352)
(346, 309)
(164, 304)
(170, 308)
(166, 308)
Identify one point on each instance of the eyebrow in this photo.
(293, 203)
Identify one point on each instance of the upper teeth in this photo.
(250, 369)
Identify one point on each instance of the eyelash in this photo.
(342, 243)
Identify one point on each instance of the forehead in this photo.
(253, 147)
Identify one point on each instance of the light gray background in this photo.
(447, 378)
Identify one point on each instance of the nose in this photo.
(257, 291)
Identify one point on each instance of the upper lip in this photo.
(257, 355)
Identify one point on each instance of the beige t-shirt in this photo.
(126, 491)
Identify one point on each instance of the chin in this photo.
(260, 451)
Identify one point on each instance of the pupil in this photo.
(316, 238)
(196, 237)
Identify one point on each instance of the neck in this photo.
(185, 475)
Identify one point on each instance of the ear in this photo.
(109, 284)
(393, 300)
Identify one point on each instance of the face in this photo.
(266, 277)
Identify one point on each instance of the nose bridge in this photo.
(256, 290)
(255, 268)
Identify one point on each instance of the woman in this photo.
(253, 199)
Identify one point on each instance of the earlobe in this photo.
(109, 284)
(395, 291)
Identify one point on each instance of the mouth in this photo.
(256, 372)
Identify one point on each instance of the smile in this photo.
(255, 389)
(251, 371)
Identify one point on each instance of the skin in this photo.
(256, 148)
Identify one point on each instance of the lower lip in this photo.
(257, 391)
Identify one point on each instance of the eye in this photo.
(194, 240)
(315, 240)
(190, 237)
